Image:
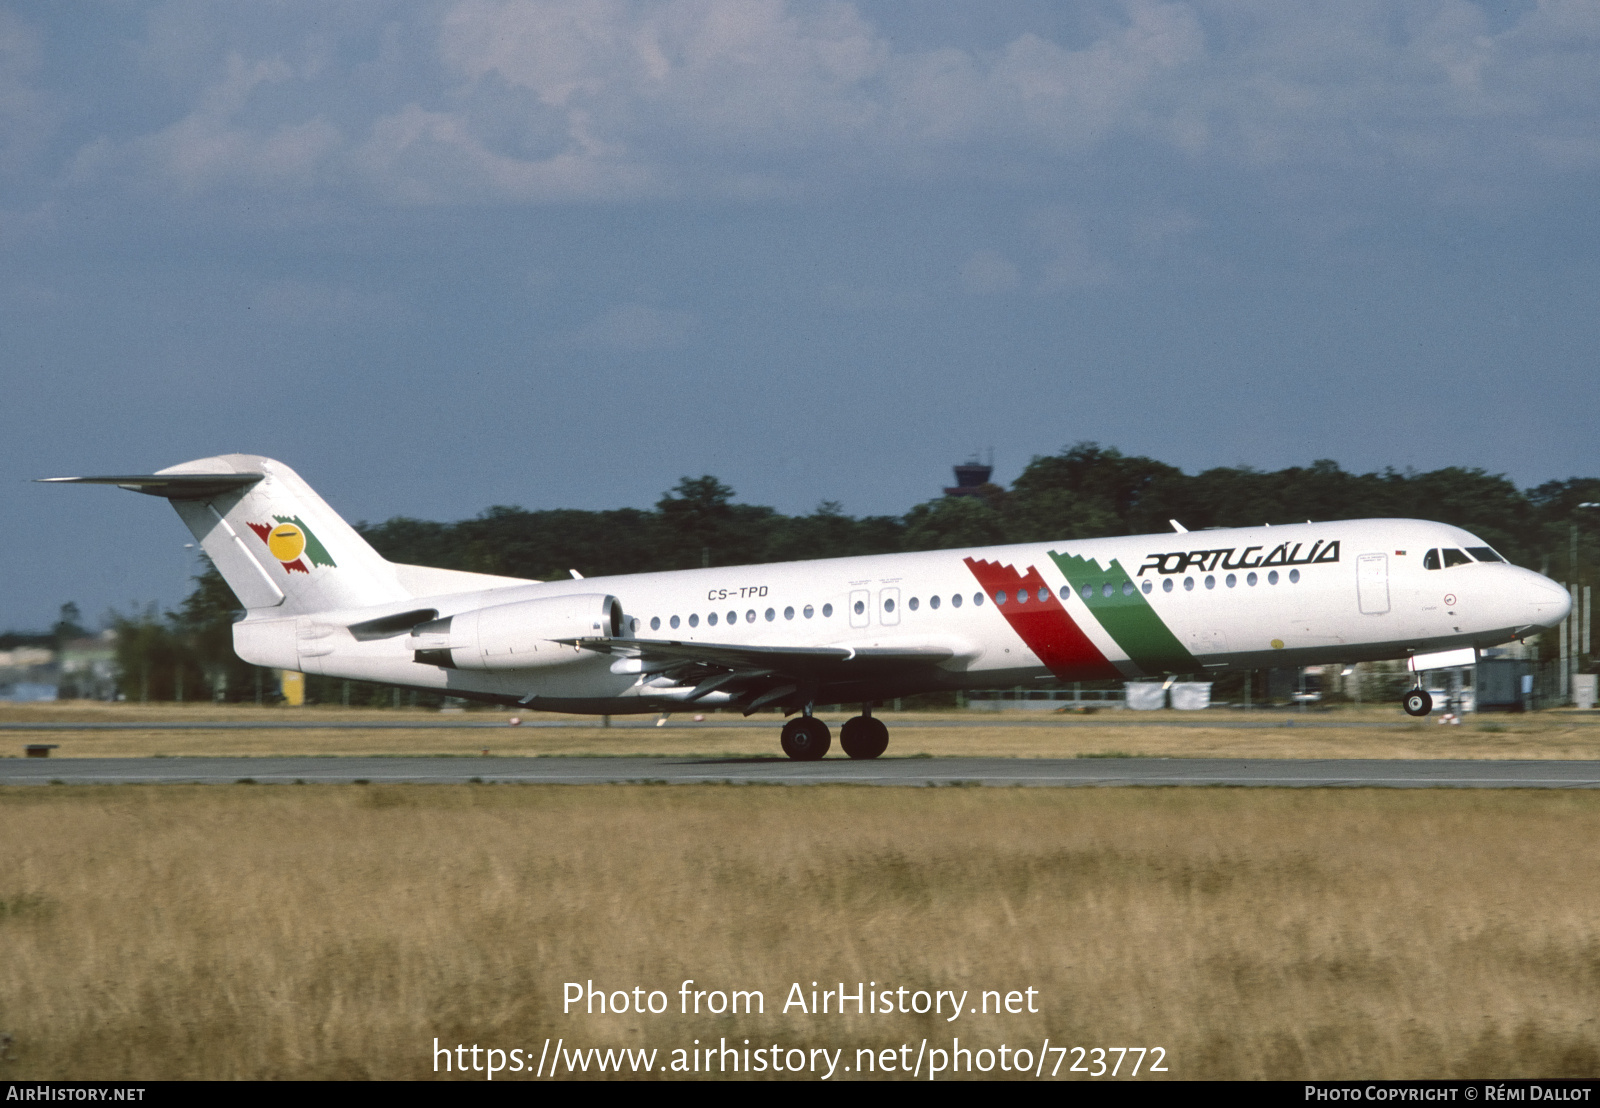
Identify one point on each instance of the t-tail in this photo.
(277, 543)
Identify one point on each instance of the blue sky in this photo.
(438, 256)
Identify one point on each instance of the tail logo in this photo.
(291, 542)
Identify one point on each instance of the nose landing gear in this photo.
(1417, 702)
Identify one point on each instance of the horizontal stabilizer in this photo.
(173, 486)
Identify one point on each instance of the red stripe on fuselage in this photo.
(1045, 625)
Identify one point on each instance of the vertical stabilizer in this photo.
(278, 544)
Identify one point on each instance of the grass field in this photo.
(334, 932)
(1377, 733)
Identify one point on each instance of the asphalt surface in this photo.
(1291, 773)
(648, 721)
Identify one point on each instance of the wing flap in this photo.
(795, 660)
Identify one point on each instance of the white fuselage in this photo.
(1128, 607)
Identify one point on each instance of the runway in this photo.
(764, 723)
(1058, 772)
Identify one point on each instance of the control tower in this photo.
(972, 478)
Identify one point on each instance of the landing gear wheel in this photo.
(1418, 702)
(864, 737)
(806, 738)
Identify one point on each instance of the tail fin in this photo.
(274, 540)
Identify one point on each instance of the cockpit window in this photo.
(1430, 560)
(1453, 557)
(1484, 554)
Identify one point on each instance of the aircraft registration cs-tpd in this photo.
(318, 599)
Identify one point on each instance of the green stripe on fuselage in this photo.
(1128, 619)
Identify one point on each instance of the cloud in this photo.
(562, 100)
(310, 302)
(27, 114)
(210, 145)
(635, 328)
(988, 271)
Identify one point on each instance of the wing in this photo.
(790, 676)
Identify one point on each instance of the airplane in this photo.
(859, 630)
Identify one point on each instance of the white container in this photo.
(1583, 689)
(1145, 696)
(1191, 696)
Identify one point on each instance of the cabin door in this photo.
(1372, 583)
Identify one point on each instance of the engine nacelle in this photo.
(516, 636)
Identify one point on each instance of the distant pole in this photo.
(1564, 635)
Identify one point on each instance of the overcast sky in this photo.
(439, 256)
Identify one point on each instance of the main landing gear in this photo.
(1418, 702)
(806, 738)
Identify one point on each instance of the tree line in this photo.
(1085, 491)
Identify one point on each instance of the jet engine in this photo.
(516, 636)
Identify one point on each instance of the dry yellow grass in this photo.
(1154, 734)
(324, 932)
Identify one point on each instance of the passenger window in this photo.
(1166, 585)
(1430, 560)
(750, 616)
(933, 602)
(955, 601)
(1105, 589)
(1484, 554)
(1272, 578)
(1232, 580)
(733, 617)
(1044, 594)
(913, 603)
(860, 607)
(1000, 596)
(655, 623)
(771, 615)
(788, 613)
(1453, 557)
(977, 599)
(808, 611)
(711, 620)
(1211, 582)
(1251, 579)
(1188, 584)
(888, 604)
(694, 621)
(1022, 596)
(827, 611)
(1127, 588)
(1294, 577)
(674, 622)
(1088, 592)
(1147, 587)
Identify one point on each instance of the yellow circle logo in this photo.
(287, 542)
(1277, 644)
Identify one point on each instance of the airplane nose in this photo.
(1547, 602)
